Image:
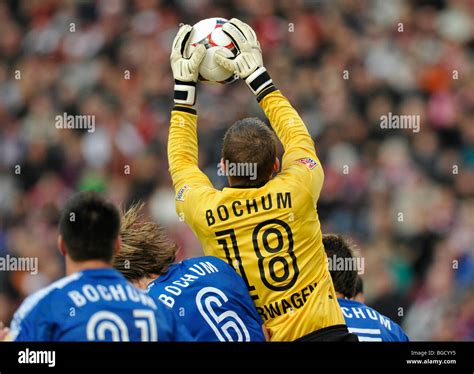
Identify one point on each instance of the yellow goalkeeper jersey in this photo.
(271, 235)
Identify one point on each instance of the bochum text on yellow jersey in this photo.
(271, 235)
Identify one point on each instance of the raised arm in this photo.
(289, 128)
(182, 141)
(299, 160)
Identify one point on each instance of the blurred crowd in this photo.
(406, 198)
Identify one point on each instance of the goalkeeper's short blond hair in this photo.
(146, 251)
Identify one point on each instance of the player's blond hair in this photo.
(146, 250)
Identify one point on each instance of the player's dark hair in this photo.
(344, 280)
(359, 288)
(89, 225)
(250, 141)
(145, 249)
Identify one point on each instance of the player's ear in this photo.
(222, 164)
(117, 245)
(276, 165)
(61, 245)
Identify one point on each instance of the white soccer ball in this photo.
(209, 33)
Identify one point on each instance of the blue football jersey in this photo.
(211, 300)
(370, 325)
(94, 305)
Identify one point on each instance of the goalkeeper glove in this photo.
(248, 64)
(185, 70)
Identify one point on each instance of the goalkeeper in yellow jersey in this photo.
(265, 226)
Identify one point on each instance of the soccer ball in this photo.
(209, 33)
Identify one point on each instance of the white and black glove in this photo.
(185, 70)
(248, 64)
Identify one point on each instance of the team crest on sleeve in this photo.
(309, 162)
(182, 192)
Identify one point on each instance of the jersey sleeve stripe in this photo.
(368, 339)
(364, 331)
